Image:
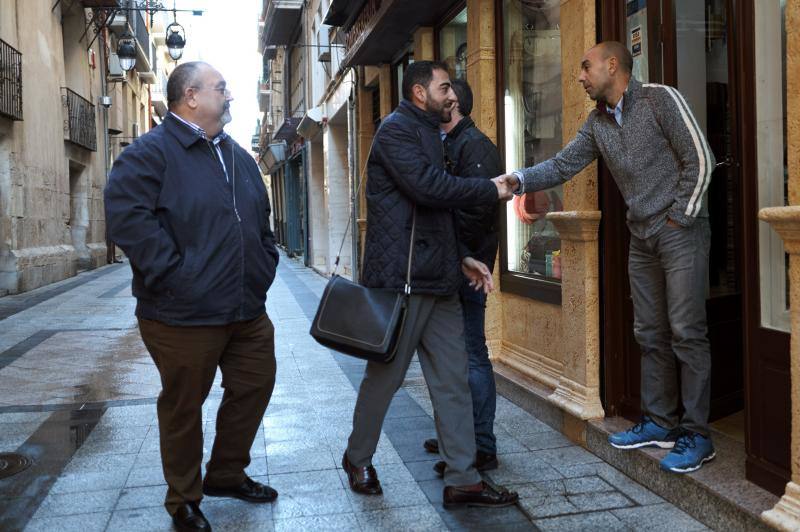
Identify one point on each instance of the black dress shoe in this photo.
(483, 462)
(489, 496)
(189, 517)
(431, 445)
(362, 480)
(249, 490)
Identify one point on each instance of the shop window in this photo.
(532, 110)
(453, 45)
(773, 169)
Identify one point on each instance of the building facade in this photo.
(66, 110)
(563, 255)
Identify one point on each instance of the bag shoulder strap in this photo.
(407, 288)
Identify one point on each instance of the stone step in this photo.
(718, 495)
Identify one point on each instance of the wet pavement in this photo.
(78, 391)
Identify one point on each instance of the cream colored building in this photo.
(54, 150)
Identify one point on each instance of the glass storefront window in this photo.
(532, 109)
(772, 158)
(453, 45)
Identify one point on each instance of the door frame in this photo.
(766, 352)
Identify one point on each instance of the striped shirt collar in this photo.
(200, 131)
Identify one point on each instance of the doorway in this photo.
(690, 44)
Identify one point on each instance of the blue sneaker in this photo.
(644, 434)
(691, 451)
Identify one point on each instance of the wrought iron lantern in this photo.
(176, 40)
(126, 50)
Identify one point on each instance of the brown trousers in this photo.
(187, 359)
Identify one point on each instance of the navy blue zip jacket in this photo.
(200, 247)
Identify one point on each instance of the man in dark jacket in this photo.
(469, 152)
(190, 210)
(409, 191)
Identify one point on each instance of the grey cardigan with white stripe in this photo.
(659, 158)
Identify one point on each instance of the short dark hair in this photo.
(420, 73)
(620, 51)
(181, 79)
(464, 95)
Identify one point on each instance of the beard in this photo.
(226, 116)
(444, 110)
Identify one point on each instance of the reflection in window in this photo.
(532, 107)
(770, 23)
(453, 46)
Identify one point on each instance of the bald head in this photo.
(183, 77)
(605, 71)
(197, 92)
(619, 51)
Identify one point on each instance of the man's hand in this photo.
(478, 274)
(673, 223)
(506, 185)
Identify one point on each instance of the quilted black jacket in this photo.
(406, 167)
(470, 153)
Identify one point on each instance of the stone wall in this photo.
(52, 221)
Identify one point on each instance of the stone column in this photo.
(786, 222)
(482, 79)
(423, 44)
(578, 390)
(385, 88)
(365, 134)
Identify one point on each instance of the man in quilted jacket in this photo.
(408, 187)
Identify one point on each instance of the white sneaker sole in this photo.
(661, 444)
(693, 468)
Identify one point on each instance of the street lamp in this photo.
(176, 40)
(126, 50)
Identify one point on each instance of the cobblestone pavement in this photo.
(77, 394)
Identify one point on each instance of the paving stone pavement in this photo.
(77, 394)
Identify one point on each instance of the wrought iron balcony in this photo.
(10, 82)
(80, 125)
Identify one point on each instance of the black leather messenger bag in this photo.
(363, 322)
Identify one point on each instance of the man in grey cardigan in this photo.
(662, 164)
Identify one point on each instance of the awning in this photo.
(273, 157)
(288, 130)
(342, 13)
(280, 22)
(391, 28)
(311, 123)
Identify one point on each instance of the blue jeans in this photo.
(481, 374)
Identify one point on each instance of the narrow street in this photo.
(79, 393)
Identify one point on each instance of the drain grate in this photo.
(13, 463)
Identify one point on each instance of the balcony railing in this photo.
(10, 82)
(80, 126)
(141, 32)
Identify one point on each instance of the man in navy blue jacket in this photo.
(189, 208)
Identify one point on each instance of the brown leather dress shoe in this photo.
(249, 490)
(362, 480)
(189, 517)
(489, 496)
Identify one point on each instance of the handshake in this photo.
(506, 185)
